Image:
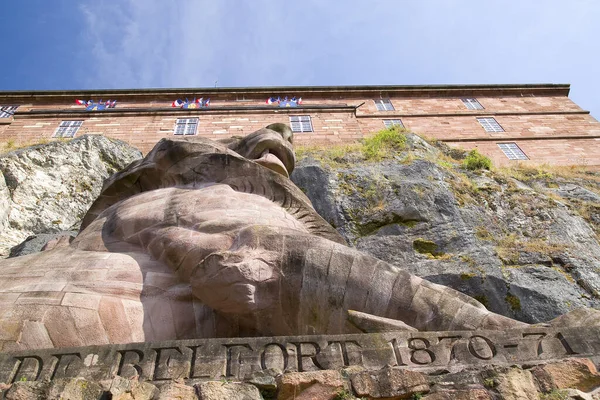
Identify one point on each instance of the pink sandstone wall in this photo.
(565, 133)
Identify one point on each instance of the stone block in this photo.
(265, 381)
(132, 389)
(575, 373)
(324, 385)
(389, 382)
(27, 391)
(469, 394)
(517, 384)
(175, 390)
(227, 390)
(75, 389)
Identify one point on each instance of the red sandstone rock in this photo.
(578, 373)
(389, 382)
(472, 394)
(322, 385)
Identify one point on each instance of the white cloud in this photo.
(155, 43)
(161, 43)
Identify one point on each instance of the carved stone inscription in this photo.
(236, 358)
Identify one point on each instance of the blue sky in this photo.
(68, 44)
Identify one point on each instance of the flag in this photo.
(177, 103)
(80, 102)
(270, 100)
(207, 102)
(111, 104)
(199, 101)
(299, 100)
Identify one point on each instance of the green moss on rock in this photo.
(427, 247)
(482, 298)
(513, 301)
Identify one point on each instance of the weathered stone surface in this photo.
(469, 394)
(175, 390)
(227, 390)
(27, 391)
(517, 384)
(75, 389)
(42, 241)
(575, 394)
(506, 242)
(131, 389)
(389, 382)
(372, 323)
(310, 385)
(265, 381)
(48, 188)
(241, 358)
(576, 374)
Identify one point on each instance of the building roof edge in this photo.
(268, 90)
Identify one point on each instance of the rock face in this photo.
(48, 188)
(524, 242)
(572, 379)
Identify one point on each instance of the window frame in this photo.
(384, 105)
(183, 126)
(511, 150)
(490, 124)
(472, 103)
(67, 129)
(7, 111)
(302, 120)
(389, 123)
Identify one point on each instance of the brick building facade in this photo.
(537, 123)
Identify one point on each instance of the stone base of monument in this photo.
(531, 363)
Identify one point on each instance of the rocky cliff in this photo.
(49, 187)
(523, 241)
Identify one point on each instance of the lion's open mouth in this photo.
(269, 149)
(271, 161)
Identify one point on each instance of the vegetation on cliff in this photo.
(523, 239)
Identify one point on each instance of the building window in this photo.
(490, 125)
(512, 151)
(186, 126)
(67, 129)
(393, 122)
(301, 123)
(7, 111)
(472, 104)
(384, 105)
